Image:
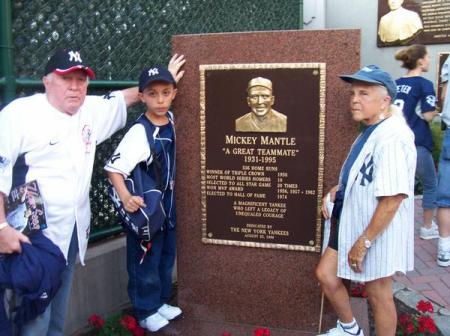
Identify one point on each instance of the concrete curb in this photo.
(406, 300)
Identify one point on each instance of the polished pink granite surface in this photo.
(243, 286)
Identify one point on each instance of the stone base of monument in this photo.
(187, 325)
(240, 269)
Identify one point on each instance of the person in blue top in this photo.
(150, 274)
(417, 98)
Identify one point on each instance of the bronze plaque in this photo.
(413, 22)
(262, 142)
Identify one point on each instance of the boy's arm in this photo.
(130, 203)
(131, 95)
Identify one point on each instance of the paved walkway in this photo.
(427, 278)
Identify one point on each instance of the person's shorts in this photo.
(443, 189)
(334, 234)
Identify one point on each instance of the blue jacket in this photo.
(35, 277)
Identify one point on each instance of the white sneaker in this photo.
(169, 312)
(443, 258)
(154, 322)
(339, 331)
(429, 233)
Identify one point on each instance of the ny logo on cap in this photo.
(75, 56)
(153, 72)
(366, 69)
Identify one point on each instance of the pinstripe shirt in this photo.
(384, 167)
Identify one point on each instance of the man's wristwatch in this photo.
(3, 225)
(367, 242)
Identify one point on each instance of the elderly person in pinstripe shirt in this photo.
(373, 216)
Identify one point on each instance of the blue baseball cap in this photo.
(155, 74)
(374, 75)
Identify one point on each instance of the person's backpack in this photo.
(146, 222)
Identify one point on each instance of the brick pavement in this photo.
(427, 278)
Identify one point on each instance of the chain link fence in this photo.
(119, 38)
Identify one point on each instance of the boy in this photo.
(150, 276)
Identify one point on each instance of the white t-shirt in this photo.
(58, 151)
(132, 149)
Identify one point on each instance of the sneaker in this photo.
(339, 331)
(154, 322)
(429, 233)
(443, 258)
(169, 312)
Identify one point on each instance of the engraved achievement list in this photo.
(261, 188)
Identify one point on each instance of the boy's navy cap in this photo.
(65, 61)
(374, 75)
(149, 75)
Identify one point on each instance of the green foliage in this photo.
(437, 138)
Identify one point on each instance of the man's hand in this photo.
(175, 63)
(133, 203)
(356, 255)
(332, 196)
(382, 217)
(10, 240)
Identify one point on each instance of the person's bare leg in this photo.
(382, 302)
(332, 286)
(427, 217)
(443, 217)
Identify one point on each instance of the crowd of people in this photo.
(372, 231)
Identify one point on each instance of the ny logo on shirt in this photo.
(114, 158)
(4, 163)
(366, 171)
(108, 96)
(74, 56)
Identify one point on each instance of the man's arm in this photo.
(9, 237)
(382, 217)
(131, 95)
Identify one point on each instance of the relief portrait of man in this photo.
(261, 118)
(399, 25)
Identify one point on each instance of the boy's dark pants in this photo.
(150, 283)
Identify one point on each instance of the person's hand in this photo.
(356, 255)
(133, 203)
(10, 240)
(175, 64)
(329, 197)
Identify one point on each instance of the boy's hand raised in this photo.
(175, 64)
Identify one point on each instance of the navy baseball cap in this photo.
(65, 61)
(374, 75)
(150, 75)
